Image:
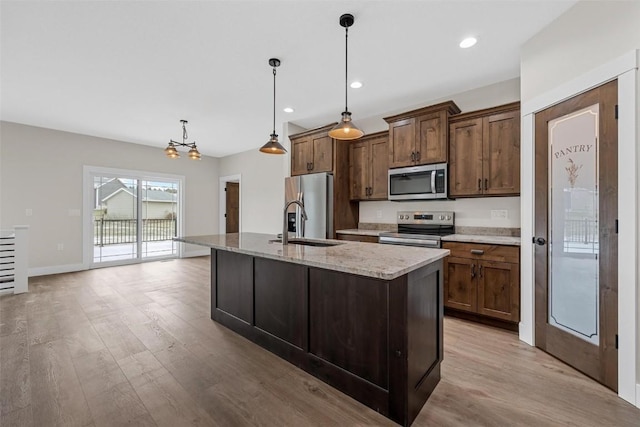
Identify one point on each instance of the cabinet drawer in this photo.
(358, 238)
(482, 251)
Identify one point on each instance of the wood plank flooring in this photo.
(134, 345)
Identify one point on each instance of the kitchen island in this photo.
(362, 317)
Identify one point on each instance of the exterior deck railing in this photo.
(116, 231)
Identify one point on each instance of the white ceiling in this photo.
(130, 70)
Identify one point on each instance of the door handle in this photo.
(473, 271)
(479, 184)
(540, 241)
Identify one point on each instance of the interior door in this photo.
(232, 216)
(576, 258)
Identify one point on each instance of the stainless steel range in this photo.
(420, 229)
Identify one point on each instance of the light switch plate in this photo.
(379, 214)
(28, 212)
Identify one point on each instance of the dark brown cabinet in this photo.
(358, 238)
(483, 279)
(368, 167)
(312, 152)
(484, 152)
(420, 136)
(379, 341)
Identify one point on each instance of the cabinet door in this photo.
(465, 158)
(431, 138)
(378, 168)
(402, 143)
(322, 154)
(501, 153)
(358, 164)
(499, 290)
(301, 155)
(460, 283)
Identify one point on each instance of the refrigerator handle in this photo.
(299, 219)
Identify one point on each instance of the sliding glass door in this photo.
(132, 218)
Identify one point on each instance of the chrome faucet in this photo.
(285, 230)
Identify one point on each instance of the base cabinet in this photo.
(483, 279)
(378, 341)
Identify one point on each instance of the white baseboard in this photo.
(55, 269)
(197, 252)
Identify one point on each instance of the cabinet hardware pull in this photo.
(417, 155)
(366, 191)
(308, 165)
(479, 184)
(480, 271)
(486, 184)
(413, 156)
(311, 165)
(473, 271)
(477, 251)
(370, 191)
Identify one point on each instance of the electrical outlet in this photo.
(379, 214)
(499, 214)
(60, 246)
(28, 212)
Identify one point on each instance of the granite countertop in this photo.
(361, 232)
(477, 238)
(385, 262)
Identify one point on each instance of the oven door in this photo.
(418, 182)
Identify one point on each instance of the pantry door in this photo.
(576, 252)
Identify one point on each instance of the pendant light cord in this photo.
(274, 100)
(346, 67)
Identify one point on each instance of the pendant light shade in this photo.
(273, 146)
(345, 129)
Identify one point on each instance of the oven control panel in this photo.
(422, 217)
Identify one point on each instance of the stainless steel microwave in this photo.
(418, 182)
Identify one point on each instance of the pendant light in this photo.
(273, 146)
(171, 150)
(346, 130)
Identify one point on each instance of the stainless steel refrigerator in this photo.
(315, 191)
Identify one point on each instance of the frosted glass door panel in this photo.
(573, 215)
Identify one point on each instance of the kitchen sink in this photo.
(307, 243)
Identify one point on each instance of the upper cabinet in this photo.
(420, 137)
(484, 156)
(312, 151)
(368, 167)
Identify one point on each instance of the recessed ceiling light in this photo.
(356, 85)
(468, 42)
(288, 110)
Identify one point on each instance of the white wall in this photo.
(587, 37)
(261, 189)
(469, 212)
(42, 170)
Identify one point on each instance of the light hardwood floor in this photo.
(134, 345)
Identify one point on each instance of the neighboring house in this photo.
(119, 202)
